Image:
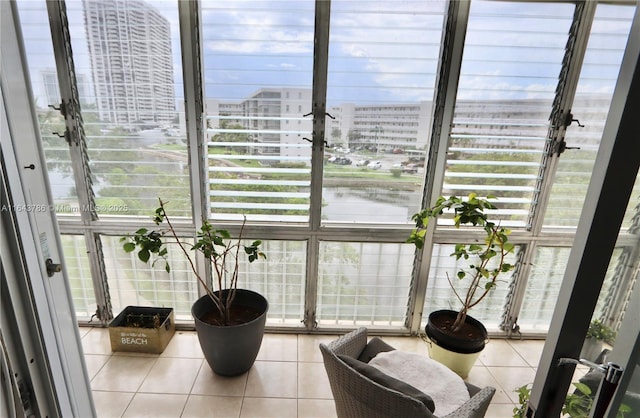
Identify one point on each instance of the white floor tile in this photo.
(308, 346)
(171, 375)
(209, 383)
(199, 406)
(530, 350)
(316, 408)
(501, 353)
(184, 344)
(154, 405)
(94, 363)
(269, 408)
(279, 347)
(96, 341)
(273, 379)
(123, 373)
(111, 404)
(313, 382)
(511, 378)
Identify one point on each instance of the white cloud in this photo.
(266, 30)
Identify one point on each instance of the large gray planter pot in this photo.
(231, 350)
(591, 349)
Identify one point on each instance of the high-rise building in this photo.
(52, 88)
(130, 51)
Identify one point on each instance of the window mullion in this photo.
(191, 45)
(455, 28)
(76, 138)
(319, 105)
(319, 109)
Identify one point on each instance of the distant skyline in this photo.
(378, 53)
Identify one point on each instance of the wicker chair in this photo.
(357, 396)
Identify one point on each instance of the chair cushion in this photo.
(446, 388)
(387, 381)
(373, 347)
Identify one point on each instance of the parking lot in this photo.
(373, 161)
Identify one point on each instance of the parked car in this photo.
(410, 169)
(343, 161)
(374, 165)
(362, 163)
(397, 151)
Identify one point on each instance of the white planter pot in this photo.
(459, 363)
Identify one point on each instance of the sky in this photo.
(379, 51)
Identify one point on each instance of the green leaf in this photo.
(144, 255)
(167, 268)
(129, 246)
(624, 409)
(461, 274)
(141, 231)
(582, 388)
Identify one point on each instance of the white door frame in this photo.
(41, 312)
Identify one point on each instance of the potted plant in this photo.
(229, 321)
(457, 338)
(597, 334)
(576, 405)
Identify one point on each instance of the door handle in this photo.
(612, 374)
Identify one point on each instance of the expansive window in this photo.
(507, 86)
(258, 63)
(316, 121)
(382, 66)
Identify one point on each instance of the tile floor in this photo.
(287, 380)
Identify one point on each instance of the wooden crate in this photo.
(151, 331)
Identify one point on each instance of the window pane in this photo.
(44, 84)
(76, 264)
(598, 77)
(441, 296)
(132, 282)
(510, 67)
(258, 61)
(363, 283)
(382, 64)
(127, 58)
(281, 279)
(543, 286)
